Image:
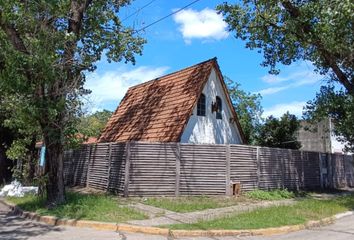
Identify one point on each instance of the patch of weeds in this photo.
(277, 194)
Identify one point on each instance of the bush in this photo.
(277, 194)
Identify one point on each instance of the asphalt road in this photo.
(16, 228)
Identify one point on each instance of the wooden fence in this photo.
(173, 169)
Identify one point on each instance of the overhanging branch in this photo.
(328, 58)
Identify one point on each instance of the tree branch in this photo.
(13, 36)
(76, 15)
(328, 58)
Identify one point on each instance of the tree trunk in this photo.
(54, 168)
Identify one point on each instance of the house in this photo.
(191, 105)
(319, 137)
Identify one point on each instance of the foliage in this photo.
(276, 216)
(248, 108)
(286, 31)
(89, 207)
(279, 133)
(19, 137)
(339, 107)
(6, 137)
(277, 194)
(91, 125)
(47, 47)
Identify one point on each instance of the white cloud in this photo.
(272, 90)
(303, 76)
(279, 109)
(272, 79)
(205, 25)
(112, 86)
(296, 76)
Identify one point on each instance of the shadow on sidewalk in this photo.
(18, 228)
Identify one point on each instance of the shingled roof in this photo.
(159, 110)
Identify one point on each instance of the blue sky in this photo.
(192, 36)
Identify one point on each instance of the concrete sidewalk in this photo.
(17, 228)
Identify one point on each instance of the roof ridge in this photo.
(180, 70)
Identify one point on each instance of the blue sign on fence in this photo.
(42, 158)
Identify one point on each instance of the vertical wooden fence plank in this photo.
(127, 170)
(228, 171)
(258, 167)
(302, 169)
(88, 166)
(282, 167)
(178, 169)
(109, 165)
(321, 175)
(330, 171)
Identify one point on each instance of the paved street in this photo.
(16, 228)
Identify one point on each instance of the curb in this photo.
(168, 232)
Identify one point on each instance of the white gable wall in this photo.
(208, 129)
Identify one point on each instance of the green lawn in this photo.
(81, 206)
(301, 212)
(197, 203)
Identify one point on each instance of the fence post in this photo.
(228, 171)
(88, 166)
(109, 165)
(258, 167)
(321, 175)
(330, 171)
(178, 169)
(282, 167)
(302, 169)
(127, 170)
(344, 159)
(291, 163)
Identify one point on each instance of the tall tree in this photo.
(46, 49)
(280, 133)
(289, 30)
(248, 108)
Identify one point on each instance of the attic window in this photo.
(201, 105)
(218, 108)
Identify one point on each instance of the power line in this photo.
(141, 8)
(169, 15)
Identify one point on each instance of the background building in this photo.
(319, 137)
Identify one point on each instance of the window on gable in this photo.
(201, 105)
(218, 108)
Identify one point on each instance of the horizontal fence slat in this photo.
(202, 168)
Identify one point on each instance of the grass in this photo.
(299, 213)
(277, 194)
(192, 204)
(198, 203)
(81, 206)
